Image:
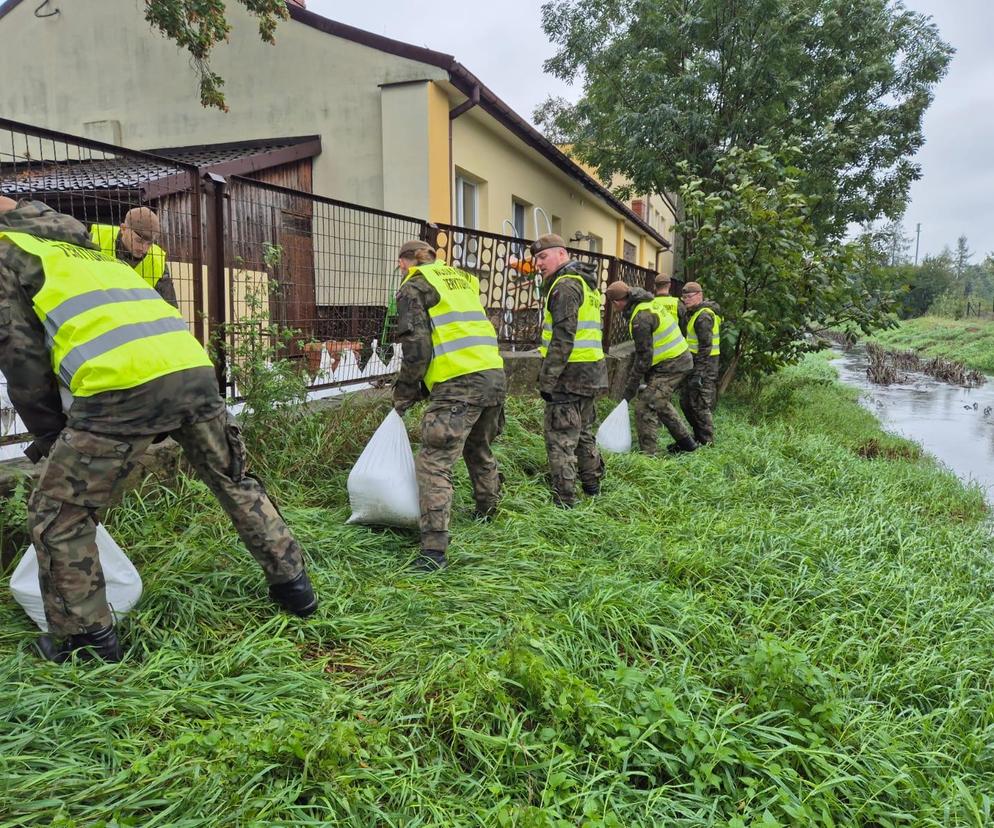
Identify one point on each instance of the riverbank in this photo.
(792, 628)
(970, 341)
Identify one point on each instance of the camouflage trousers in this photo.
(654, 407)
(82, 473)
(698, 402)
(450, 429)
(571, 446)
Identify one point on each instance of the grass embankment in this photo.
(970, 341)
(792, 628)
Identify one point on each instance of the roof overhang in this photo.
(469, 85)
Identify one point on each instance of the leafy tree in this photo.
(666, 81)
(199, 25)
(756, 248)
(926, 283)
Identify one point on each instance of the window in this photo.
(518, 218)
(465, 246)
(466, 202)
(629, 252)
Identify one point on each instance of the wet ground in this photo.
(953, 424)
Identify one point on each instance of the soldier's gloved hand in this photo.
(696, 382)
(545, 395)
(401, 406)
(629, 396)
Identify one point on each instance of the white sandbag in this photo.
(383, 487)
(348, 367)
(124, 584)
(615, 433)
(397, 360)
(375, 367)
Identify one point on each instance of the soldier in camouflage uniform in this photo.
(136, 239)
(465, 412)
(699, 395)
(568, 387)
(662, 379)
(88, 451)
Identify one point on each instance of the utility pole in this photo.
(918, 238)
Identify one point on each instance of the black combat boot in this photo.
(485, 513)
(296, 596)
(428, 561)
(100, 644)
(592, 489)
(685, 444)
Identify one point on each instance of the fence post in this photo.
(612, 276)
(216, 283)
(197, 243)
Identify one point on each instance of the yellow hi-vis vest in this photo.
(667, 341)
(671, 305)
(588, 345)
(106, 329)
(715, 338)
(150, 268)
(462, 339)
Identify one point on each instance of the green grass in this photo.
(792, 628)
(970, 341)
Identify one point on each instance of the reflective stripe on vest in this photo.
(715, 333)
(150, 268)
(588, 344)
(105, 328)
(667, 341)
(463, 341)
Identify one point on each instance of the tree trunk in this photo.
(728, 375)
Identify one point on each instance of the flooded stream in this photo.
(953, 424)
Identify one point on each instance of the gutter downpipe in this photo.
(455, 112)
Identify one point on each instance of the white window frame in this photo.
(462, 183)
(468, 257)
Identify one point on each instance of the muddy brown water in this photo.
(953, 424)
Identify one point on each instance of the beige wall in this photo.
(405, 126)
(242, 281)
(506, 169)
(137, 87)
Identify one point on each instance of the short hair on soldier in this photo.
(417, 251)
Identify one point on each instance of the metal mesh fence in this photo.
(98, 184)
(247, 258)
(324, 269)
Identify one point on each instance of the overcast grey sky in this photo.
(503, 44)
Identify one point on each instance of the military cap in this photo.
(546, 242)
(409, 248)
(661, 280)
(617, 291)
(692, 287)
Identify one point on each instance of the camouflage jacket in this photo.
(559, 378)
(155, 407)
(704, 328)
(643, 326)
(164, 287)
(414, 298)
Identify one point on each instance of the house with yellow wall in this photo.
(391, 126)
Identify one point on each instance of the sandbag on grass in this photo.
(615, 433)
(383, 487)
